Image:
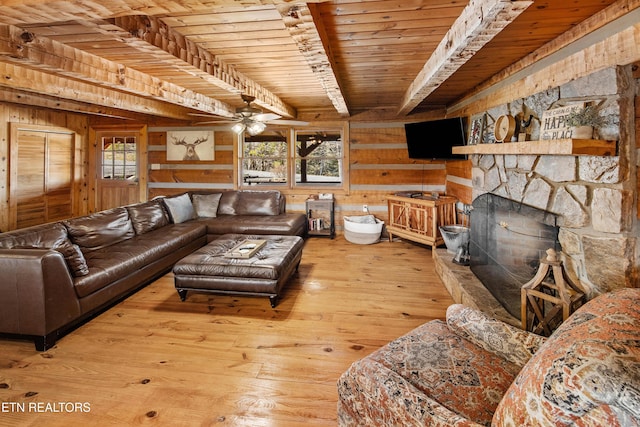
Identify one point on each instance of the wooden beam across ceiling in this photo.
(69, 94)
(19, 12)
(22, 47)
(479, 22)
(311, 40)
(52, 102)
(210, 68)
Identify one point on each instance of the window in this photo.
(318, 157)
(264, 158)
(315, 158)
(119, 160)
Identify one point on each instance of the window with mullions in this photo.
(318, 157)
(264, 158)
(119, 160)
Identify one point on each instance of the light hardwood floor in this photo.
(223, 360)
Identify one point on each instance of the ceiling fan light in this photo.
(255, 128)
(238, 128)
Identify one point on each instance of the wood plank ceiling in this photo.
(183, 58)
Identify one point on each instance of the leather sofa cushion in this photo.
(180, 208)
(258, 203)
(284, 224)
(147, 216)
(39, 236)
(101, 229)
(48, 236)
(109, 264)
(228, 202)
(206, 205)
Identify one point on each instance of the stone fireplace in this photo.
(508, 239)
(590, 197)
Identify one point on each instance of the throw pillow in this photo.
(147, 216)
(206, 205)
(180, 208)
(228, 203)
(74, 257)
(258, 203)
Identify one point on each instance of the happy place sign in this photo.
(554, 122)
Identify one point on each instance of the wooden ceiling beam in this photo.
(204, 63)
(69, 94)
(21, 12)
(23, 97)
(479, 22)
(19, 46)
(312, 44)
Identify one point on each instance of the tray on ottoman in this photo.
(210, 269)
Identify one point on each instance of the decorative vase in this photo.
(582, 132)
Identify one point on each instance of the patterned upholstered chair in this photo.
(473, 370)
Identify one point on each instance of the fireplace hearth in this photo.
(507, 241)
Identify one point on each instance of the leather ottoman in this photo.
(209, 269)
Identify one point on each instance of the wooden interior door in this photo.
(118, 168)
(41, 176)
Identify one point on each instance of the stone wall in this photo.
(593, 195)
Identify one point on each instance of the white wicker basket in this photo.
(363, 229)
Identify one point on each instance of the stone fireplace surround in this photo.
(593, 196)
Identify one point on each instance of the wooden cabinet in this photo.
(41, 176)
(320, 217)
(417, 219)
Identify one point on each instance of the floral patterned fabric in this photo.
(493, 335)
(460, 372)
(588, 372)
(430, 376)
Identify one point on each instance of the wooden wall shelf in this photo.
(558, 147)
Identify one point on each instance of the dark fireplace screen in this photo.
(507, 241)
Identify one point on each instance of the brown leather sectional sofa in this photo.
(54, 276)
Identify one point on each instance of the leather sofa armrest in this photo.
(507, 341)
(36, 292)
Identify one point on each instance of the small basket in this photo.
(363, 229)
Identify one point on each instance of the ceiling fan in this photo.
(253, 120)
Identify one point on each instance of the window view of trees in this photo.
(264, 158)
(119, 158)
(318, 157)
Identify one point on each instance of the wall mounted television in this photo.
(434, 139)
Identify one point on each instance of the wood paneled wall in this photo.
(173, 177)
(378, 165)
(459, 180)
(11, 113)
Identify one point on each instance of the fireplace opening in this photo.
(507, 241)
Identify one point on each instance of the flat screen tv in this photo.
(434, 139)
